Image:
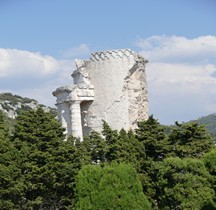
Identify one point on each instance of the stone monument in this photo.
(110, 86)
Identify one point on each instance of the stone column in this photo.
(75, 114)
(59, 110)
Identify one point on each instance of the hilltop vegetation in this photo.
(148, 168)
(11, 105)
(14, 104)
(15, 99)
(210, 123)
(145, 169)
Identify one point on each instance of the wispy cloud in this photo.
(181, 76)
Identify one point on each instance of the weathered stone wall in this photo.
(110, 86)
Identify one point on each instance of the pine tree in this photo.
(151, 134)
(11, 183)
(111, 137)
(95, 147)
(183, 184)
(129, 149)
(47, 161)
(2, 125)
(190, 140)
(123, 146)
(82, 154)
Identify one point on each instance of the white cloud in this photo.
(36, 76)
(33, 75)
(15, 62)
(178, 49)
(181, 76)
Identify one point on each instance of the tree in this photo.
(114, 186)
(111, 137)
(38, 127)
(129, 149)
(95, 147)
(209, 160)
(2, 125)
(47, 161)
(183, 184)
(151, 134)
(11, 183)
(153, 137)
(190, 140)
(123, 146)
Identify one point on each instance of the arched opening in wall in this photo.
(85, 117)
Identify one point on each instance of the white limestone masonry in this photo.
(110, 86)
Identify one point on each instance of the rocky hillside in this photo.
(11, 104)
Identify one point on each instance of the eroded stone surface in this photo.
(110, 86)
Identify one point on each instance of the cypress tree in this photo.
(114, 186)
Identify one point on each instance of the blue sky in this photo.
(40, 39)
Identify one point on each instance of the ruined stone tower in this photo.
(110, 86)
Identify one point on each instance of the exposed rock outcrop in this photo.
(11, 104)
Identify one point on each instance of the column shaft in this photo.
(76, 124)
(59, 111)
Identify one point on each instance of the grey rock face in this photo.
(12, 104)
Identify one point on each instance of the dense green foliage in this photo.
(43, 170)
(210, 162)
(148, 151)
(114, 186)
(209, 122)
(184, 184)
(190, 140)
(112, 170)
(2, 125)
(10, 174)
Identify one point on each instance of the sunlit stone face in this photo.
(110, 86)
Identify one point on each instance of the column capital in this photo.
(74, 102)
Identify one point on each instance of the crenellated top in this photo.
(113, 54)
